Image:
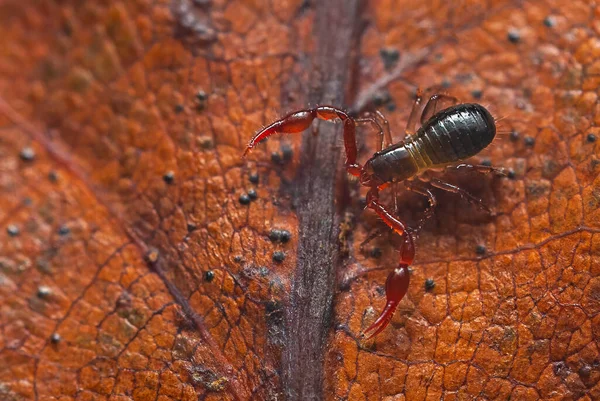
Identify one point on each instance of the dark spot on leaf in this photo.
(480, 249)
(244, 199)
(27, 154)
(209, 276)
(511, 174)
(252, 194)
(390, 57)
(55, 338)
(253, 178)
(238, 259)
(201, 99)
(205, 142)
(476, 93)
(446, 83)
(63, 230)
(178, 108)
(591, 138)
(513, 36)
(191, 227)
(549, 21)
(13, 230)
(536, 189)
(276, 158)
(43, 292)
(514, 136)
(287, 152)
(169, 177)
(381, 98)
(53, 176)
(561, 369)
(486, 162)
(275, 235)
(375, 252)
(278, 256)
(585, 371)
(429, 284)
(529, 141)
(285, 236)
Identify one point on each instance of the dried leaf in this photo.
(142, 258)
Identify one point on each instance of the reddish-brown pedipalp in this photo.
(401, 162)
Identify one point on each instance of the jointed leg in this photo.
(386, 127)
(398, 280)
(479, 169)
(421, 189)
(375, 123)
(457, 190)
(431, 106)
(299, 121)
(411, 125)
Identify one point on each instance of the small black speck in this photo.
(429, 284)
(252, 194)
(529, 141)
(169, 177)
(287, 152)
(55, 338)
(549, 21)
(53, 176)
(285, 236)
(486, 162)
(476, 93)
(245, 199)
(591, 138)
(43, 291)
(63, 230)
(480, 250)
(278, 256)
(253, 178)
(391, 106)
(201, 98)
(511, 174)
(390, 57)
(375, 253)
(585, 371)
(209, 276)
(178, 108)
(275, 235)
(238, 258)
(12, 230)
(27, 201)
(201, 95)
(381, 98)
(276, 158)
(205, 142)
(27, 154)
(446, 83)
(513, 36)
(191, 227)
(514, 135)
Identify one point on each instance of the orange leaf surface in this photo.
(141, 258)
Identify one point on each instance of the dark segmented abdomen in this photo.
(453, 134)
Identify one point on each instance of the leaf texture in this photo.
(141, 258)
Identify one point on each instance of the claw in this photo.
(396, 287)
